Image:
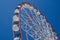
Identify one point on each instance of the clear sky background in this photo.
(49, 8)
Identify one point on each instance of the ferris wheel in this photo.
(27, 18)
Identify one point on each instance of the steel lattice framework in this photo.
(28, 18)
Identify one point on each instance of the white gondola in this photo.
(15, 27)
(15, 18)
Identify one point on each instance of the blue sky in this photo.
(49, 8)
